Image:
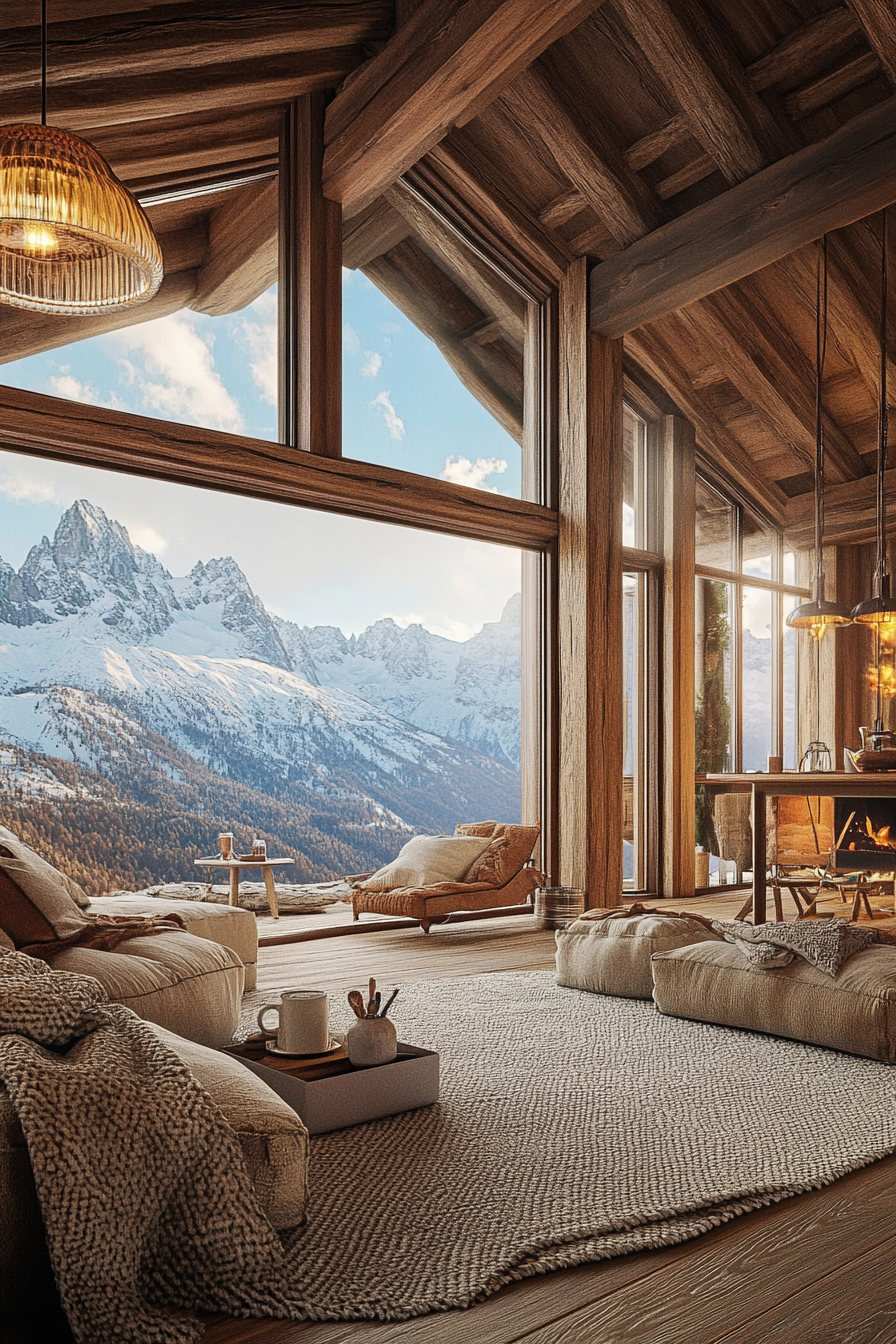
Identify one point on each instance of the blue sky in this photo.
(403, 407)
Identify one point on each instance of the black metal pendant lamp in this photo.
(818, 614)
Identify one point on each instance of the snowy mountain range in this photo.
(92, 628)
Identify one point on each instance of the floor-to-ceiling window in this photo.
(745, 668)
(640, 617)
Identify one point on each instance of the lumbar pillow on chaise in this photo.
(609, 952)
(509, 850)
(428, 860)
(853, 1011)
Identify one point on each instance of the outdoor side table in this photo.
(236, 865)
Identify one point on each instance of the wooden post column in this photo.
(589, 601)
(311, 288)
(678, 657)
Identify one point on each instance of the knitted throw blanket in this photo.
(825, 943)
(142, 1184)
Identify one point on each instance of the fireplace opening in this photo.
(865, 833)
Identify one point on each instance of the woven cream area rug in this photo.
(572, 1127)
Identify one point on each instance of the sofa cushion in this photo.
(510, 848)
(274, 1140)
(189, 985)
(225, 924)
(854, 1011)
(611, 955)
(38, 903)
(6, 941)
(428, 860)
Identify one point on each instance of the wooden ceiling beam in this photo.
(850, 511)
(843, 178)
(83, 104)
(243, 260)
(770, 370)
(619, 198)
(180, 144)
(437, 308)
(483, 284)
(713, 116)
(466, 186)
(442, 67)
(658, 356)
(656, 143)
(878, 19)
(372, 233)
(807, 50)
(181, 37)
(25, 333)
(833, 84)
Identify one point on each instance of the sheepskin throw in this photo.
(142, 1184)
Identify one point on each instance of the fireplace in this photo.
(865, 834)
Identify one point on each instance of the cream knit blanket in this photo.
(142, 1184)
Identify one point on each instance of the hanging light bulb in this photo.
(880, 609)
(818, 615)
(73, 240)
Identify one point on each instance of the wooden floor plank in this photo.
(743, 1270)
(851, 1305)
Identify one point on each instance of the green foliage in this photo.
(712, 710)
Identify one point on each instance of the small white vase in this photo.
(372, 1040)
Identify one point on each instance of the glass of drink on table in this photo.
(260, 848)
(225, 844)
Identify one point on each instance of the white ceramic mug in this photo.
(303, 1025)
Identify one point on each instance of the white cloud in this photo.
(148, 539)
(261, 340)
(173, 371)
(23, 482)
(350, 341)
(462, 471)
(373, 365)
(394, 422)
(68, 386)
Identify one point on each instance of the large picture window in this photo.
(745, 665)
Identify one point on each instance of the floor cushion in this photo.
(189, 985)
(224, 924)
(612, 955)
(853, 1011)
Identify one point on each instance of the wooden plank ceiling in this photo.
(692, 148)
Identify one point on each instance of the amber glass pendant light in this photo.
(818, 615)
(73, 240)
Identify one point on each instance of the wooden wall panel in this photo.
(589, 602)
(678, 657)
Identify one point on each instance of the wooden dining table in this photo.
(799, 784)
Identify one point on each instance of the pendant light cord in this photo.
(821, 343)
(43, 62)
(883, 420)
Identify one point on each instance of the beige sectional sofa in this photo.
(273, 1139)
(188, 985)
